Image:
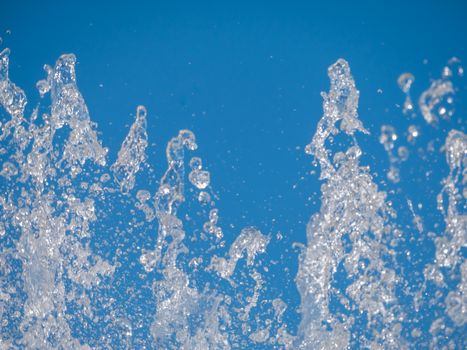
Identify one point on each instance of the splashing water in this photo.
(59, 285)
(436, 102)
(346, 234)
(132, 153)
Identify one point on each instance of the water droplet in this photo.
(405, 81)
(403, 153)
(393, 174)
(455, 67)
(388, 136)
(105, 177)
(8, 170)
(446, 72)
(412, 133)
(43, 86)
(408, 105)
(143, 195)
(204, 198)
(196, 163)
(199, 178)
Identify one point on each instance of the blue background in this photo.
(245, 77)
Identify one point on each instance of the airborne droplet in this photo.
(199, 178)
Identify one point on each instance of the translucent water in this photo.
(61, 282)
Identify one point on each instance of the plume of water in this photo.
(132, 153)
(195, 290)
(51, 220)
(450, 267)
(348, 234)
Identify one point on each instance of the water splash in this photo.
(12, 98)
(436, 101)
(51, 222)
(339, 105)
(347, 236)
(132, 153)
(249, 240)
(63, 266)
(449, 267)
